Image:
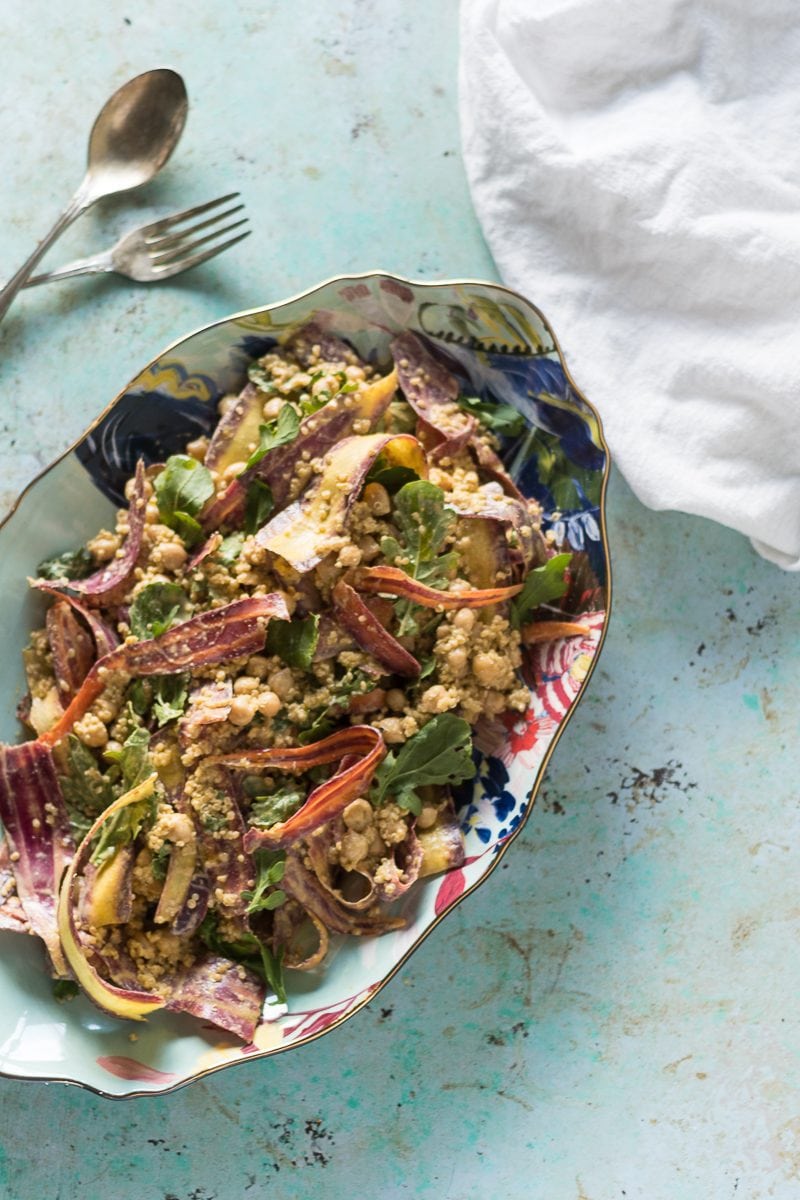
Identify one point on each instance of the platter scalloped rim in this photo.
(503, 347)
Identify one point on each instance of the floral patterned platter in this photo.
(501, 347)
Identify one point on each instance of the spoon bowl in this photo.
(136, 131)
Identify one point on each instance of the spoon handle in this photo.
(77, 205)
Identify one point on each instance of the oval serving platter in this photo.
(502, 348)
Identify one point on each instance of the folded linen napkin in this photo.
(635, 166)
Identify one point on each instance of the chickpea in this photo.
(104, 546)
(225, 405)
(197, 448)
(349, 556)
(395, 700)
(377, 499)
(151, 513)
(233, 470)
(269, 705)
(487, 668)
(169, 556)
(465, 619)
(282, 683)
(457, 660)
(354, 849)
(428, 816)
(258, 666)
(243, 709)
(273, 407)
(437, 699)
(244, 685)
(358, 815)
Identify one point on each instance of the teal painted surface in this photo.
(615, 1012)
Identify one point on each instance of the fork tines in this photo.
(168, 245)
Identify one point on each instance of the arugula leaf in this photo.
(270, 865)
(230, 548)
(440, 754)
(155, 608)
(259, 503)
(248, 951)
(280, 432)
(170, 693)
(502, 419)
(73, 564)
(424, 522)
(541, 585)
(294, 641)
(85, 789)
(277, 806)
(181, 490)
(342, 386)
(134, 766)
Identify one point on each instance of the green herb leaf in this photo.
(133, 759)
(155, 608)
(247, 950)
(424, 522)
(276, 807)
(502, 419)
(280, 432)
(440, 754)
(259, 503)
(160, 861)
(181, 490)
(86, 790)
(541, 585)
(270, 865)
(258, 375)
(170, 694)
(74, 564)
(353, 682)
(230, 548)
(65, 989)
(294, 641)
(390, 477)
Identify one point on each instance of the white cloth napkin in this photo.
(635, 165)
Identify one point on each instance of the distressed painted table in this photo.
(615, 1013)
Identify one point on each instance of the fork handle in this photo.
(96, 264)
(77, 205)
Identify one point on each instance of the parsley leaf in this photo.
(160, 861)
(294, 641)
(270, 865)
(280, 432)
(230, 548)
(181, 490)
(170, 693)
(155, 608)
(133, 766)
(440, 754)
(132, 760)
(85, 789)
(259, 503)
(278, 806)
(502, 419)
(74, 564)
(541, 585)
(65, 989)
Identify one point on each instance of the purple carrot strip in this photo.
(101, 583)
(105, 637)
(230, 440)
(186, 921)
(401, 871)
(304, 887)
(217, 990)
(354, 616)
(432, 390)
(202, 552)
(524, 543)
(12, 914)
(37, 827)
(72, 649)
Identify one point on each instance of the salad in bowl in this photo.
(268, 694)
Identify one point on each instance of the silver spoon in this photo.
(132, 137)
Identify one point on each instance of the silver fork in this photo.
(159, 250)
